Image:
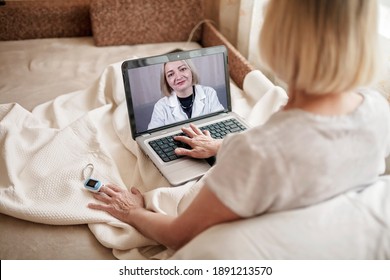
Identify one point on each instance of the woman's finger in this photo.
(114, 187)
(189, 131)
(195, 129)
(207, 133)
(102, 197)
(97, 206)
(135, 191)
(107, 190)
(183, 139)
(182, 152)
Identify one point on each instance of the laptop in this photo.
(142, 82)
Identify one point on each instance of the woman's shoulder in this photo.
(374, 98)
(374, 110)
(204, 88)
(367, 91)
(164, 101)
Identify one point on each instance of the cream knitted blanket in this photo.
(45, 151)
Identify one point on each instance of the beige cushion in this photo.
(127, 22)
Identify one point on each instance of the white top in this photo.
(168, 110)
(297, 158)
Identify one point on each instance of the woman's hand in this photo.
(201, 142)
(204, 211)
(118, 202)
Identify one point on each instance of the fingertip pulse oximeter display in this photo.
(92, 185)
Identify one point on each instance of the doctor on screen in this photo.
(184, 97)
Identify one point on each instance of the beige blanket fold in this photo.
(44, 153)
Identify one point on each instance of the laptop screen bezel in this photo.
(160, 59)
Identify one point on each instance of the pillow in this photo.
(20, 20)
(128, 22)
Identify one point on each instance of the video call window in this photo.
(146, 90)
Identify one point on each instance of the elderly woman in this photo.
(330, 138)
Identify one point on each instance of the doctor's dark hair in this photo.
(322, 46)
(166, 89)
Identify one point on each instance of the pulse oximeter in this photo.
(93, 185)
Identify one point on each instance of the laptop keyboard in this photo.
(165, 147)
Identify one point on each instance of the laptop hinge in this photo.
(145, 135)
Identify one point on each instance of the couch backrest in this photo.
(111, 22)
(20, 20)
(120, 22)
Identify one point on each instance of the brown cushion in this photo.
(44, 19)
(127, 22)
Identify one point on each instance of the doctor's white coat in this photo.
(168, 110)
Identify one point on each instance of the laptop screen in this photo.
(176, 88)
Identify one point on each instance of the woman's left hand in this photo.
(118, 202)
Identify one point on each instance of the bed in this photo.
(62, 107)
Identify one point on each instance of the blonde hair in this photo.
(321, 46)
(166, 89)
